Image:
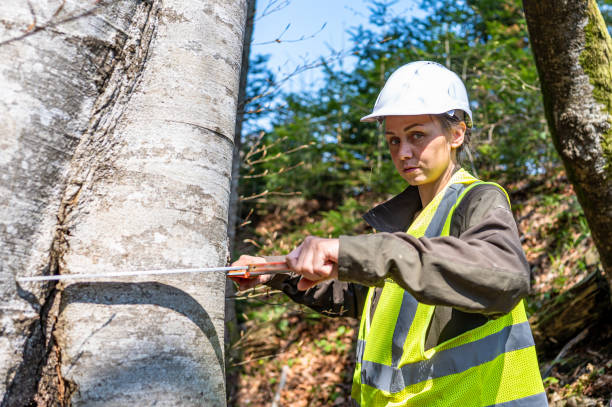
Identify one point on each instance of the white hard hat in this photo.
(421, 87)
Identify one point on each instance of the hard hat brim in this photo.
(370, 118)
(379, 116)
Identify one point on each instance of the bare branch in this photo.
(263, 149)
(266, 193)
(254, 243)
(274, 87)
(246, 220)
(52, 23)
(272, 7)
(280, 171)
(302, 38)
(280, 154)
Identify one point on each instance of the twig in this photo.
(526, 216)
(546, 370)
(280, 171)
(525, 84)
(281, 384)
(264, 149)
(254, 295)
(272, 7)
(273, 87)
(285, 193)
(302, 38)
(244, 362)
(254, 243)
(266, 192)
(280, 154)
(246, 220)
(251, 197)
(51, 23)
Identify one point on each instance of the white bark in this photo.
(117, 155)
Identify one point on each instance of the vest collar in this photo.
(396, 214)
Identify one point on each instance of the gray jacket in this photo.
(475, 274)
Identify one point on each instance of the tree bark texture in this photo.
(116, 137)
(573, 53)
(231, 323)
(234, 209)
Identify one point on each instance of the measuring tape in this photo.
(247, 271)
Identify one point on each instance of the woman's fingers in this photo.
(315, 260)
(304, 284)
(292, 258)
(306, 259)
(246, 283)
(245, 260)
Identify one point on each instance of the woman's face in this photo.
(420, 149)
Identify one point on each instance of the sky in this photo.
(322, 24)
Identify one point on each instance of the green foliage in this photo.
(331, 345)
(484, 41)
(342, 220)
(550, 380)
(264, 314)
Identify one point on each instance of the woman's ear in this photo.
(458, 135)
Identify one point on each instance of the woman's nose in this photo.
(405, 151)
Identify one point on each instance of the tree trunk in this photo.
(231, 323)
(117, 123)
(234, 209)
(573, 53)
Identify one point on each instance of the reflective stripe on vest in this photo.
(449, 361)
(537, 400)
(492, 365)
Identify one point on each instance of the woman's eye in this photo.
(417, 136)
(393, 141)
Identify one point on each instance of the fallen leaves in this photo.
(319, 355)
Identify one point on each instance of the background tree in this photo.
(117, 123)
(573, 52)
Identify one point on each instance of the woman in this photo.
(438, 288)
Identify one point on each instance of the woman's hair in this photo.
(448, 122)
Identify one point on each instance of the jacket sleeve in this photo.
(332, 298)
(483, 270)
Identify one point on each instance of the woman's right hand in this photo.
(246, 283)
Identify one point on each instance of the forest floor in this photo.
(288, 355)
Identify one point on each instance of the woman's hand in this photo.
(246, 283)
(316, 260)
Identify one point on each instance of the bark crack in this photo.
(208, 130)
(38, 380)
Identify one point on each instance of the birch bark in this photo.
(231, 323)
(117, 123)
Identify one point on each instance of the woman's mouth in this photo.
(410, 169)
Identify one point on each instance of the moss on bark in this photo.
(596, 60)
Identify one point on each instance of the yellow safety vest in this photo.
(492, 365)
